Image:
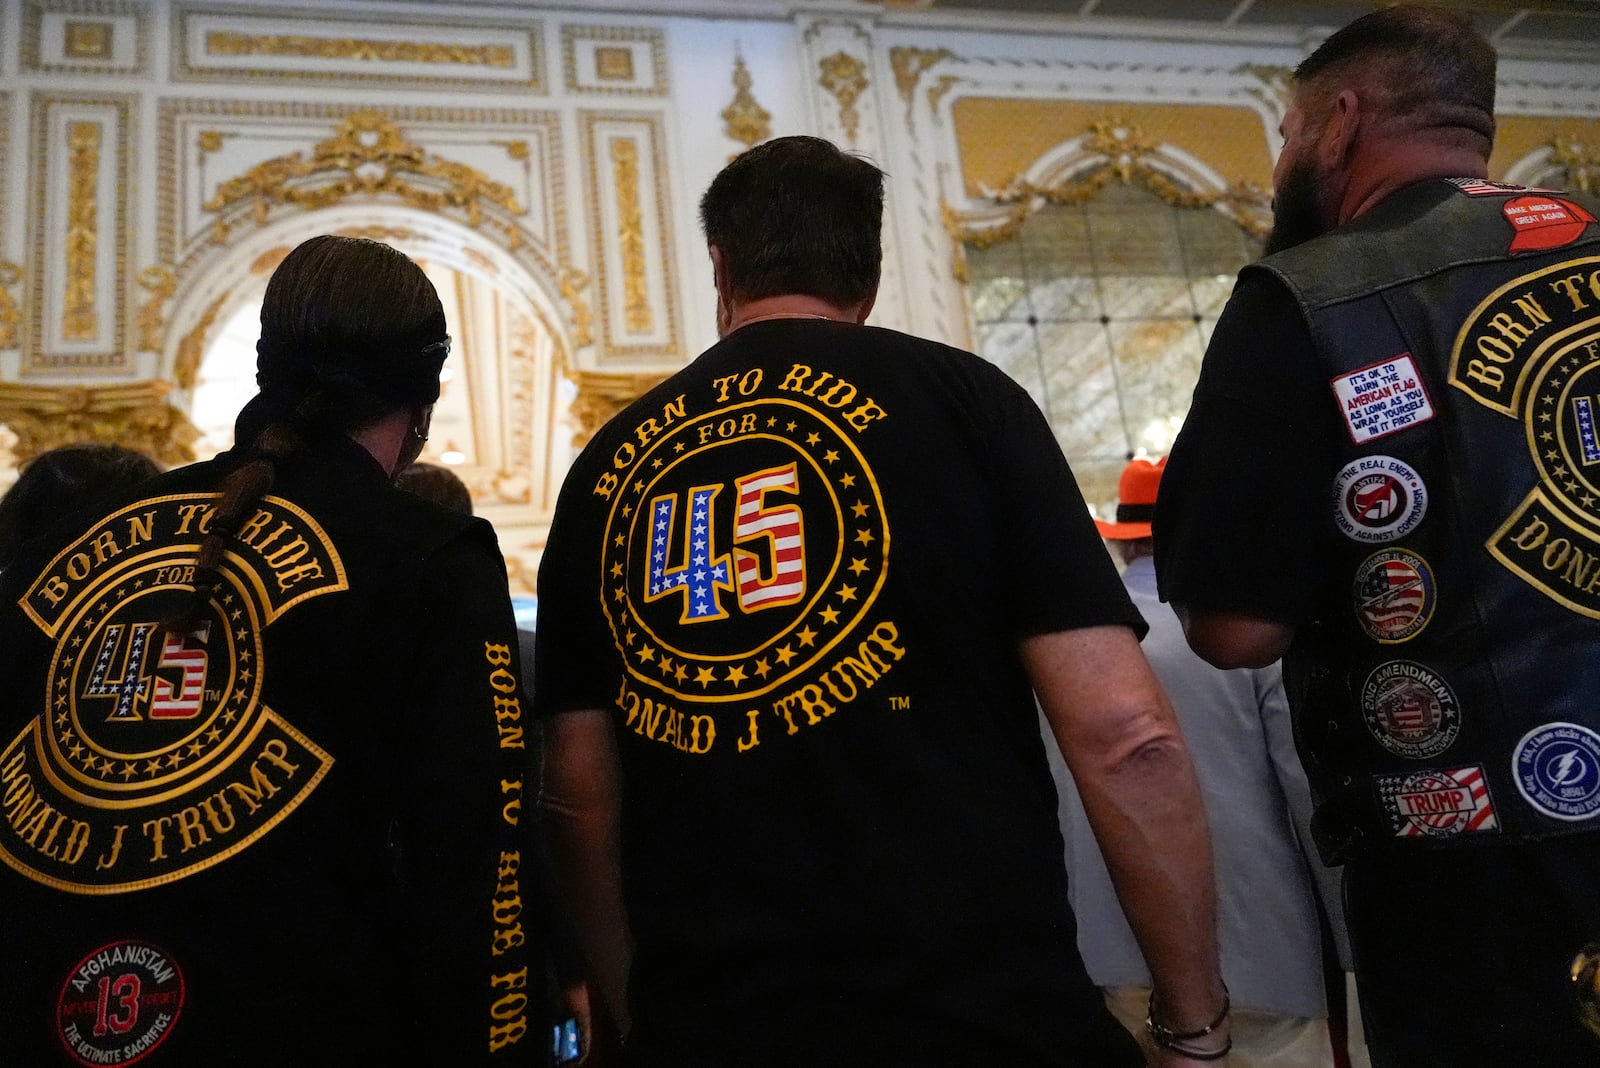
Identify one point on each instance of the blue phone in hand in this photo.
(564, 1041)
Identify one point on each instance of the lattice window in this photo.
(1102, 310)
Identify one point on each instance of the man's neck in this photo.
(1394, 164)
(788, 306)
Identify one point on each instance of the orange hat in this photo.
(1136, 501)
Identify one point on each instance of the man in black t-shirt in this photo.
(1389, 474)
(791, 608)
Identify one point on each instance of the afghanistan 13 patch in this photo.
(1382, 398)
(1409, 710)
(119, 1003)
(152, 755)
(1378, 499)
(1557, 768)
(1394, 595)
(1436, 804)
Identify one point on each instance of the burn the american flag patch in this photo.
(1436, 804)
(1394, 595)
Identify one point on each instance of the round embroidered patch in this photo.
(119, 1003)
(1557, 767)
(1409, 710)
(1378, 499)
(1394, 595)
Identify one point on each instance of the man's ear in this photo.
(1339, 133)
(719, 272)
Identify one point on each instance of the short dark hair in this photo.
(796, 215)
(61, 480)
(1421, 66)
(438, 484)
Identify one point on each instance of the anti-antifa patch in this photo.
(119, 1003)
(1409, 710)
(1540, 223)
(1557, 767)
(1378, 499)
(1437, 804)
(1394, 595)
(1382, 398)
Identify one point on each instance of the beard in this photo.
(1297, 208)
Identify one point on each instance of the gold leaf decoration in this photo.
(161, 283)
(10, 317)
(78, 319)
(744, 120)
(601, 396)
(845, 77)
(909, 65)
(367, 156)
(227, 43)
(630, 236)
(192, 349)
(573, 282)
(135, 416)
(1580, 161)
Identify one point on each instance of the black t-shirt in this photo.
(296, 836)
(1242, 522)
(797, 573)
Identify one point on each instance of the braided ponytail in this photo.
(351, 331)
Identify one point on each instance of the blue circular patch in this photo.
(1557, 768)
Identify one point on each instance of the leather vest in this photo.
(1449, 691)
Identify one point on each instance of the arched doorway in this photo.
(502, 419)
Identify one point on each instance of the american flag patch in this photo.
(1437, 804)
(1482, 187)
(1394, 595)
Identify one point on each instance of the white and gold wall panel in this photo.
(620, 60)
(85, 36)
(78, 233)
(259, 44)
(631, 234)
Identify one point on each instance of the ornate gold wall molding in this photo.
(614, 60)
(845, 78)
(744, 120)
(136, 416)
(909, 65)
(80, 191)
(367, 156)
(1112, 150)
(10, 317)
(601, 396)
(630, 236)
(1580, 160)
(79, 321)
(92, 36)
(1275, 84)
(236, 43)
(160, 283)
(939, 90)
(229, 43)
(572, 283)
(192, 349)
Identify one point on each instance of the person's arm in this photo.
(1121, 742)
(472, 908)
(581, 801)
(1232, 639)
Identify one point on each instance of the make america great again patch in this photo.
(152, 755)
(1531, 351)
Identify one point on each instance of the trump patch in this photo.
(1440, 803)
(1382, 398)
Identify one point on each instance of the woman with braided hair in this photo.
(264, 764)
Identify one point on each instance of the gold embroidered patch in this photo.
(154, 756)
(1531, 351)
